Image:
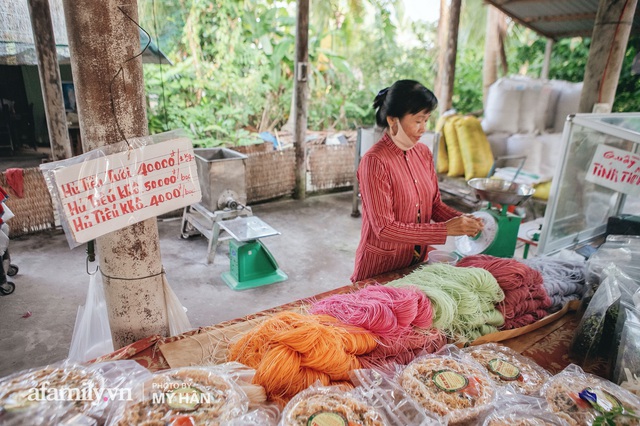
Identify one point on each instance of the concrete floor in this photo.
(316, 250)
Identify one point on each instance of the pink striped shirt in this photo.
(400, 198)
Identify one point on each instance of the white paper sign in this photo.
(102, 195)
(615, 169)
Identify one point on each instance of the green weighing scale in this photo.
(500, 233)
(251, 263)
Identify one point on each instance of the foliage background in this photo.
(232, 69)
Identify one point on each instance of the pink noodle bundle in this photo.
(525, 299)
(385, 311)
(400, 318)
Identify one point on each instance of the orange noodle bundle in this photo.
(525, 299)
(290, 352)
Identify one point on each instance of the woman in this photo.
(399, 187)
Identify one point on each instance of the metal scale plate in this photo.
(500, 233)
(248, 228)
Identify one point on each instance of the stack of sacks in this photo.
(401, 318)
(525, 299)
(464, 149)
(526, 117)
(564, 280)
(463, 299)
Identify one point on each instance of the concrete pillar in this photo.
(50, 82)
(301, 95)
(104, 43)
(606, 54)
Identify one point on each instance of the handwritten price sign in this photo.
(102, 195)
(615, 169)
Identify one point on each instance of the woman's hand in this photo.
(466, 224)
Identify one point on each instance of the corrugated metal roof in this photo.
(556, 18)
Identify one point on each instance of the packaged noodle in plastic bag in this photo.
(515, 409)
(584, 399)
(449, 383)
(193, 395)
(602, 309)
(66, 392)
(621, 250)
(626, 371)
(388, 397)
(330, 405)
(507, 367)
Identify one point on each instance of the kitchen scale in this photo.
(500, 233)
(251, 263)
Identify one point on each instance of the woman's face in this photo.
(414, 125)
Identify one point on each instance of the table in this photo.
(547, 345)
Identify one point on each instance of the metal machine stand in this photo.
(197, 219)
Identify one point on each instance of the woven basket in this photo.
(34, 211)
(270, 175)
(330, 166)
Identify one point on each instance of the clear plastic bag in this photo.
(330, 405)
(507, 367)
(386, 395)
(201, 395)
(595, 333)
(626, 371)
(621, 250)
(512, 408)
(66, 392)
(449, 383)
(177, 317)
(582, 399)
(92, 334)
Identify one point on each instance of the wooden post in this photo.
(449, 72)
(301, 94)
(102, 41)
(443, 25)
(50, 81)
(606, 54)
(548, 48)
(491, 52)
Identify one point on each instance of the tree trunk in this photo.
(50, 82)
(301, 93)
(546, 65)
(443, 26)
(449, 73)
(606, 54)
(102, 41)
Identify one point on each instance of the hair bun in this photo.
(380, 97)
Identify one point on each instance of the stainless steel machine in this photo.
(223, 208)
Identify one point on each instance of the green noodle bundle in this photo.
(463, 299)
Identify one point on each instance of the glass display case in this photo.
(598, 177)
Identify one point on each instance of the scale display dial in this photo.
(468, 246)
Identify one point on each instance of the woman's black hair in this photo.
(403, 97)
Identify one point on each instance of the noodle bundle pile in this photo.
(463, 299)
(525, 299)
(563, 280)
(399, 317)
(290, 352)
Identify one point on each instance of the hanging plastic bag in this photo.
(92, 334)
(178, 321)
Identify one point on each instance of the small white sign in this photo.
(615, 169)
(105, 194)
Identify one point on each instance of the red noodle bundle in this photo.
(525, 299)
